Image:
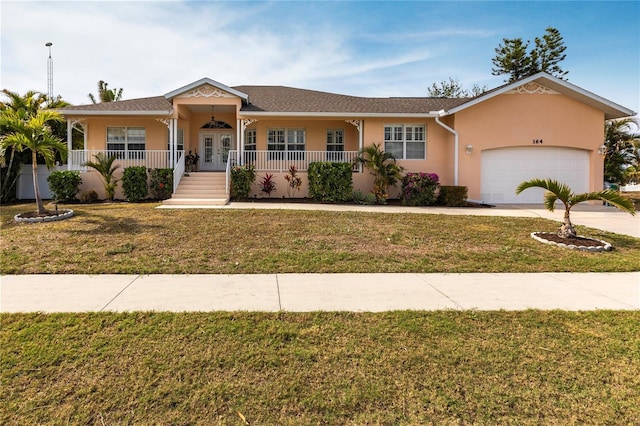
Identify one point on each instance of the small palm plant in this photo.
(382, 165)
(560, 191)
(104, 165)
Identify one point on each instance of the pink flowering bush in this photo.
(419, 189)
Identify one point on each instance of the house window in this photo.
(129, 141)
(405, 141)
(179, 140)
(250, 144)
(286, 143)
(335, 144)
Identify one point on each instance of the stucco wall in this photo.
(156, 132)
(512, 120)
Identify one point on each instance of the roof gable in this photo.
(545, 83)
(206, 88)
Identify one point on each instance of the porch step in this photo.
(195, 202)
(200, 188)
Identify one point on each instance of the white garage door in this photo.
(504, 169)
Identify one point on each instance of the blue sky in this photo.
(360, 48)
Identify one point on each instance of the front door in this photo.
(214, 150)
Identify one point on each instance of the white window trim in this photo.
(250, 139)
(404, 137)
(126, 138)
(285, 141)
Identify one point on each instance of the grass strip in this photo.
(447, 367)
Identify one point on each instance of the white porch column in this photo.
(358, 124)
(245, 122)
(69, 144)
(240, 139)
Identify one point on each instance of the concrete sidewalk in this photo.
(319, 292)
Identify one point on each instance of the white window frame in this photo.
(127, 140)
(179, 140)
(250, 140)
(398, 137)
(280, 142)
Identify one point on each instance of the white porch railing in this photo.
(280, 161)
(178, 171)
(151, 159)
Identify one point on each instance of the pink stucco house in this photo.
(539, 126)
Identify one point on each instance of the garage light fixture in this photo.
(602, 150)
(469, 149)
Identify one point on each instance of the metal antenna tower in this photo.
(49, 73)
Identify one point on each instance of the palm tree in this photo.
(560, 191)
(29, 104)
(104, 165)
(622, 146)
(27, 130)
(105, 94)
(382, 165)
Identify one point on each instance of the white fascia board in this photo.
(337, 114)
(203, 81)
(113, 113)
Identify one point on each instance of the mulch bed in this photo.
(390, 202)
(576, 241)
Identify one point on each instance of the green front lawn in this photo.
(396, 368)
(138, 238)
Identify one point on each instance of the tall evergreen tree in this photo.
(514, 58)
(548, 53)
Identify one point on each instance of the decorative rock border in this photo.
(605, 246)
(62, 214)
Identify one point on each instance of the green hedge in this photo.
(161, 183)
(242, 177)
(134, 183)
(452, 196)
(64, 184)
(330, 181)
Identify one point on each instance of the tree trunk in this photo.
(36, 188)
(567, 230)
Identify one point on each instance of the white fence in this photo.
(280, 161)
(151, 159)
(630, 188)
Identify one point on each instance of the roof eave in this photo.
(336, 114)
(113, 113)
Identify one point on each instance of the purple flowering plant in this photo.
(419, 189)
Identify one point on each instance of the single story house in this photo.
(539, 126)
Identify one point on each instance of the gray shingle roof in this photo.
(280, 99)
(288, 100)
(153, 104)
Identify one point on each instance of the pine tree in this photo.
(513, 58)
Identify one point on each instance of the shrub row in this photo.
(332, 182)
(65, 184)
